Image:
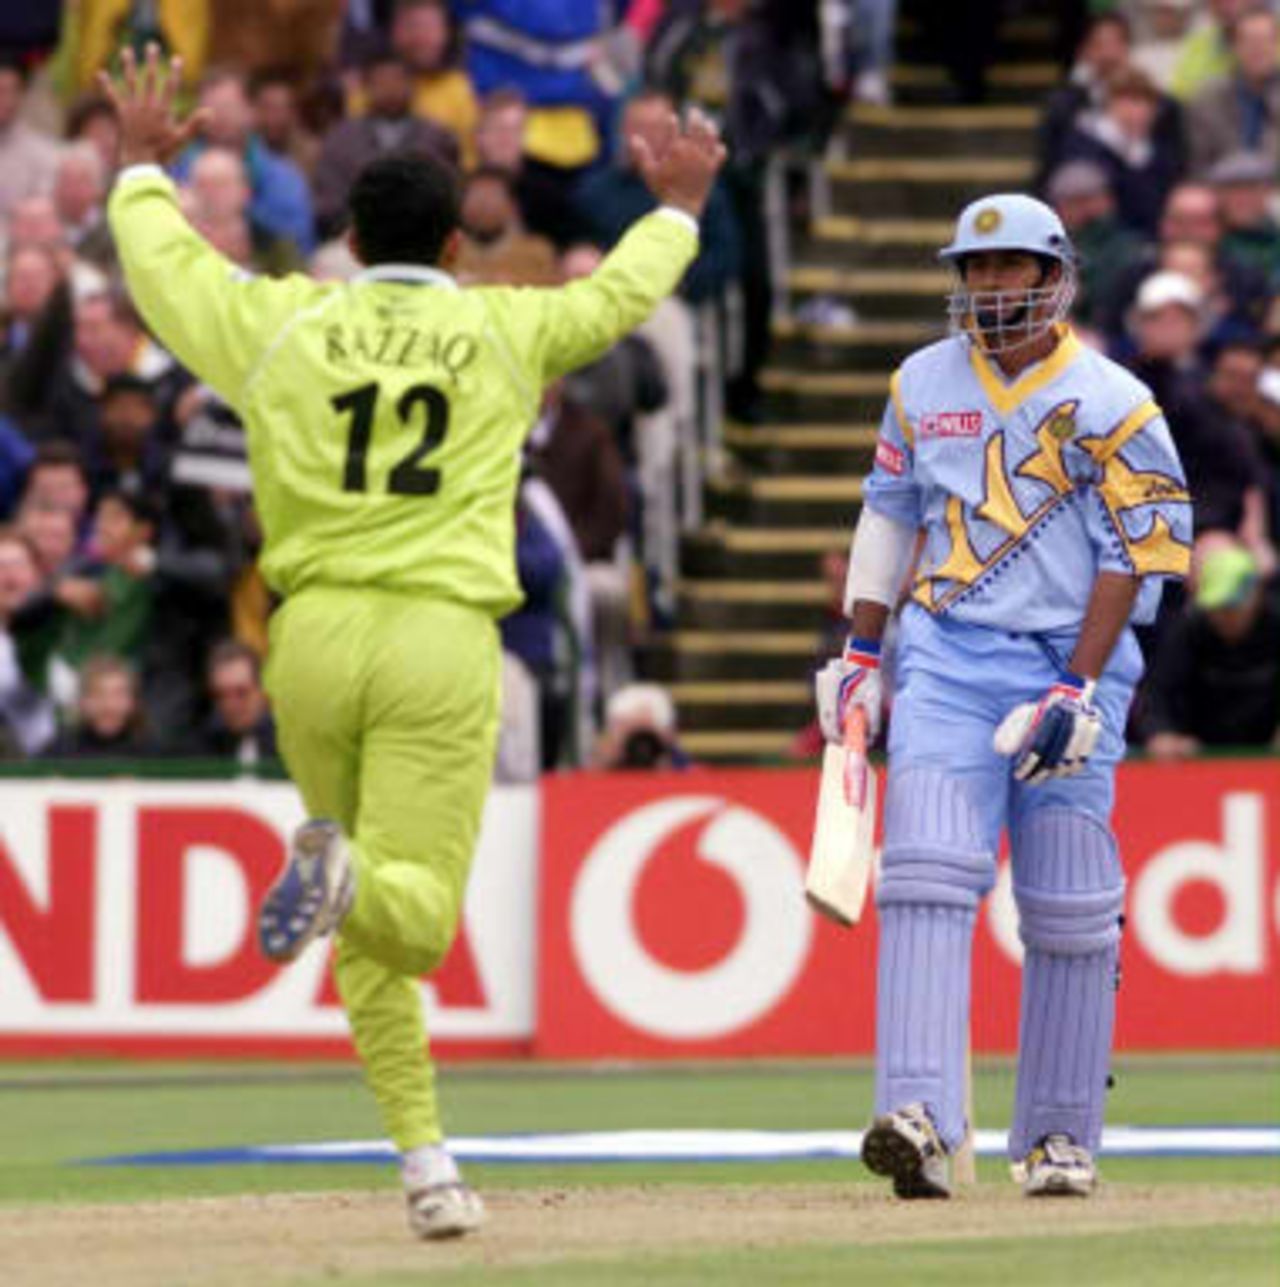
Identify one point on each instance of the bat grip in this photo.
(856, 767)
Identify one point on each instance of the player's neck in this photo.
(1014, 362)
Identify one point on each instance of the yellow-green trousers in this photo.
(386, 707)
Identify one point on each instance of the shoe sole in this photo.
(306, 921)
(886, 1152)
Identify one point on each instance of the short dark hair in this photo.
(403, 208)
(58, 454)
(492, 174)
(231, 652)
(143, 508)
(86, 108)
(1109, 19)
(126, 382)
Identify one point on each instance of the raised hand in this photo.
(680, 164)
(150, 129)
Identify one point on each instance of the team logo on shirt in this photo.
(889, 458)
(951, 424)
(1061, 421)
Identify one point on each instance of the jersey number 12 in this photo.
(409, 477)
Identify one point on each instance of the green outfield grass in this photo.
(53, 1114)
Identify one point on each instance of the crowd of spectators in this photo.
(132, 615)
(1161, 153)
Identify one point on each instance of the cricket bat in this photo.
(843, 847)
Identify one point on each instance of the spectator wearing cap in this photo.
(1223, 467)
(1241, 111)
(1215, 680)
(640, 731)
(1104, 53)
(27, 157)
(1121, 138)
(388, 125)
(1246, 183)
(1191, 214)
(1080, 192)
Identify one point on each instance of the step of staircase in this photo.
(724, 705)
(898, 131)
(752, 604)
(875, 344)
(736, 655)
(797, 394)
(1007, 83)
(804, 448)
(929, 187)
(794, 500)
(725, 550)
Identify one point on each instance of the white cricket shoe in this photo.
(1058, 1167)
(311, 895)
(445, 1210)
(906, 1146)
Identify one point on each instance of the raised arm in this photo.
(581, 321)
(212, 316)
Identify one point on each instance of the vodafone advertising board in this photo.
(608, 916)
(672, 921)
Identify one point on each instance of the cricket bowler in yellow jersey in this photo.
(385, 418)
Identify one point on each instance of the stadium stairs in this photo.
(751, 607)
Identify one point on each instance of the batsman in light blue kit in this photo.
(1050, 505)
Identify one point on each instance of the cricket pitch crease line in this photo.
(702, 1146)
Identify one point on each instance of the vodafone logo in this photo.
(748, 979)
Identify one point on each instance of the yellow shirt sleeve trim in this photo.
(895, 396)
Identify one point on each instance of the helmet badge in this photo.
(987, 221)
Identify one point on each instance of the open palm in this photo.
(151, 130)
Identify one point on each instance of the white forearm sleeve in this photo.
(878, 559)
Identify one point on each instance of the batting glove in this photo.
(852, 679)
(1054, 737)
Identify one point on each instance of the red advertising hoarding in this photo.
(607, 917)
(671, 920)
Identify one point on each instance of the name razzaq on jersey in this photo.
(399, 345)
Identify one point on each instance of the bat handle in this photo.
(856, 767)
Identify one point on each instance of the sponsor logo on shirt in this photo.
(951, 424)
(889, 458)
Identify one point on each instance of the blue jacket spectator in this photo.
(16, 455)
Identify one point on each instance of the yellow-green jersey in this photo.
(385, 415)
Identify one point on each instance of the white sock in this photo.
(426, 1165)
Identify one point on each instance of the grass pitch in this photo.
(1177, 1221)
